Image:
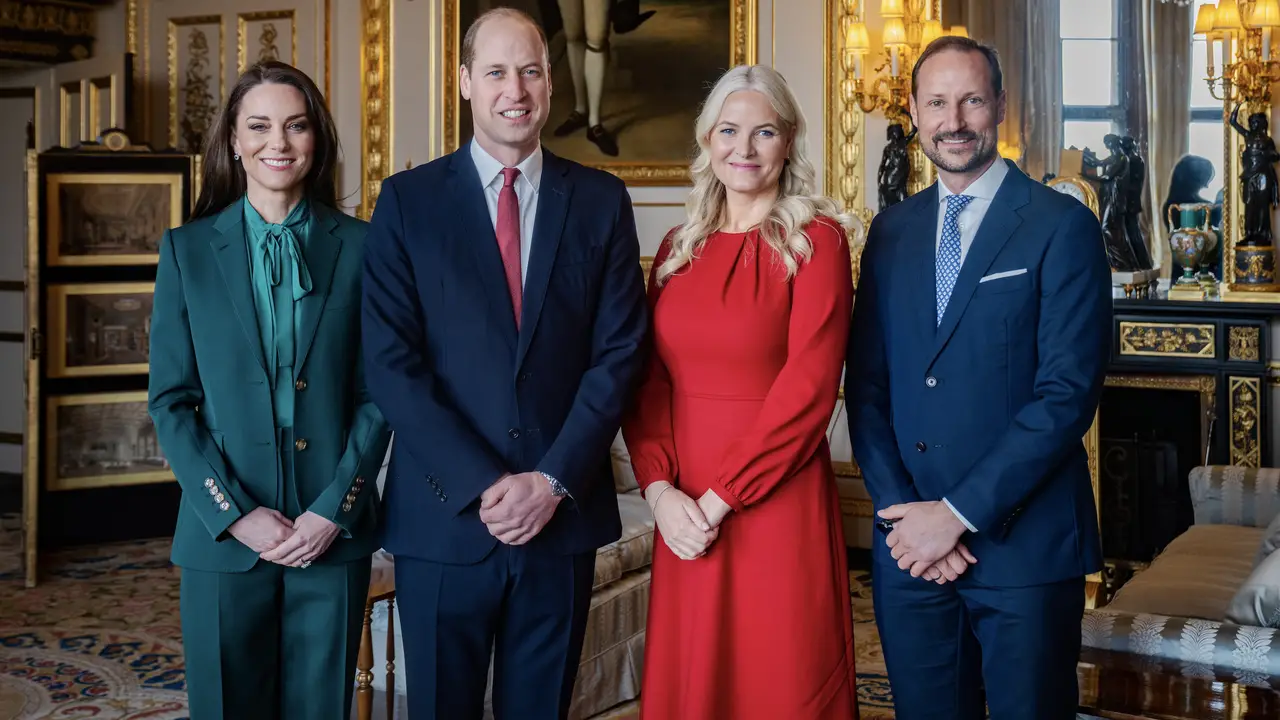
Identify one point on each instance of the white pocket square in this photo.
(1002, 275)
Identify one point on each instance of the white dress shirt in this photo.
(527, 183)
(983, 191)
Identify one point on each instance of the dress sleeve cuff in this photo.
(953, 509)
(727, 496)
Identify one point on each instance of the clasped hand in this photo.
(687, 526)
(926, 540)
(279, 540)
(517, 507)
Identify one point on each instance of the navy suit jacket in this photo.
(468, 397)
(988, 409)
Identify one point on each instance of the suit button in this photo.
(931, 381)
(301, 443)
(524, 377)
(514, 434)
(921, 447)
(300, 385)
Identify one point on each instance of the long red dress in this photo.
(737, 397)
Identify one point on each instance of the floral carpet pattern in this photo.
(99, 637)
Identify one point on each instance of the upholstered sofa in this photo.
(1208, 602)
(613, 650)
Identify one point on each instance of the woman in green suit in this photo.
(258, 397)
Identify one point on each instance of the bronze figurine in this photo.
(895, 167)
(1257, 178)
(1113, 174)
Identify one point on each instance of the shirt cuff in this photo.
(953, 509)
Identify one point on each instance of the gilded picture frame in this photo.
(97, 440)
(99, 329)
(669, 171)
(109, 218)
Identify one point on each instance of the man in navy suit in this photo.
(976, 360)
(504, 312)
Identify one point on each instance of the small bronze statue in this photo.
(895, 167)
(1113, 174)
(1257, 178)
(1133, 218)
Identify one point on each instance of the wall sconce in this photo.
(1239, 32)
(908, 28)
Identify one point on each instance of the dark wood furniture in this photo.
(1119, 686)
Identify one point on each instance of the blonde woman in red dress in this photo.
(749, 615)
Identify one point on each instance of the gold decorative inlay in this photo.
(1155, 339)
(268, 34)
(646, 264)
(1243, 343)
(742, 51)
(1245, 405)
(846, 127)
(375, 110)
(202, 73)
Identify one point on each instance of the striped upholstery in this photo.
(1166, 613)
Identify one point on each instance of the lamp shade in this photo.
(1266, 14)
(930, 30)
(958, 31)
(1227, 16)
(892, 8)
(1204, 19)
(895, 33)
(856, 39)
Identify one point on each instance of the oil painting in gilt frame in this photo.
(99, 329)
(101, 440)
(657, 61)
(110, 218)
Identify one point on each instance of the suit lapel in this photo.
(999, 224)
(321, 253)
(232, 256)
(921, 234)
(553, 206)
(476, 230)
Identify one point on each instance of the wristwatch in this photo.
(557, 488)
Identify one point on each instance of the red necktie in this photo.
(508, 232)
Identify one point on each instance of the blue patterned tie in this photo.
(948, 260)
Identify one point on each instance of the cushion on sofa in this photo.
(1270, 541)
(634, 550)
(1196, 576)
(1257, 601)
(624, 477)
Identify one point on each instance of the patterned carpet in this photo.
(100, 638)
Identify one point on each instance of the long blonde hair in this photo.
(798, 201)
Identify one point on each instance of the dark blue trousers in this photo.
(524, 606)
(950, 648)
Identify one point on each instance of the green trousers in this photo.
(273, 643)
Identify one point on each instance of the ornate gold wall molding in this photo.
(266, 43)
(1244, 399)
(375, 109)
(194, 99)
(1153, 339)
(845, 125)
(742, 51)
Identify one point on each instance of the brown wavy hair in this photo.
(223, 180)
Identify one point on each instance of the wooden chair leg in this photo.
(364, 668)
(391, 658)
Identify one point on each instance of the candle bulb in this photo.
(1226, 52)
(893, 61)
(857, 66)
(1266, 43)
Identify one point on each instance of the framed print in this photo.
(110, 218)
(628, 77)
(99, 329)
(102, 440)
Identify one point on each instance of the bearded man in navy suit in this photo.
(979, 345)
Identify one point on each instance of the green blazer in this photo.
(211, 399)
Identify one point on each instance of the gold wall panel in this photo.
(375, 94)
(1244, 400)
(71, 118)
(1154, 339)
(1243, 343)
(268, 35)
(845, 125)
(197, 68)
